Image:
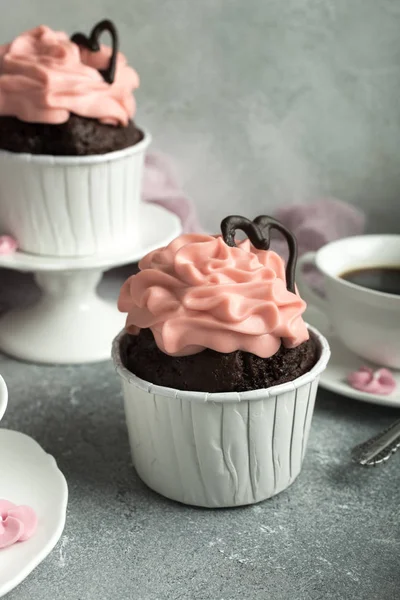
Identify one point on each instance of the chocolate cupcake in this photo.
(212, 371)
(71, 156)
(219, 368)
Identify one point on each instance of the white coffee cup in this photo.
(3, 397)
(367, 321)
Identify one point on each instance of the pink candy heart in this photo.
(10, 532)
(17, 523)
(379, 382)
(7, 244)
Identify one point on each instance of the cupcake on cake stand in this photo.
(70, 323)
(71, 169)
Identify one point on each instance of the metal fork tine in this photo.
(379, 448)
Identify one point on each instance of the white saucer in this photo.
(30, 476)
(342, 362)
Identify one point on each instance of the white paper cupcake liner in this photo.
(219, 449)
(72, 205)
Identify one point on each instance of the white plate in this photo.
(343, 362)
(30, 476)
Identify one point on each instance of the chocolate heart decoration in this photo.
(259, 234)
(92, 44)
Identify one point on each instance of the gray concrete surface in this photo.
(261, 102)
(334, 535)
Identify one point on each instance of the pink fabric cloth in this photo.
(317, 224)
(321, 222)
(314, 224)
(160, 185)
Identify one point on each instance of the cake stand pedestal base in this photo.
(70, 323)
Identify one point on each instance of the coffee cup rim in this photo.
(336, 277)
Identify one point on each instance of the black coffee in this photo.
(381, 279)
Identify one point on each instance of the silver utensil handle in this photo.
(379, 448)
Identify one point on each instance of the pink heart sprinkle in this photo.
(10, 531)
(366, 380)
(27, 516)
(5, 506)
(7, 244)
(17, 523)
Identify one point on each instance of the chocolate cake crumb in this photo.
(211, 371)
(79, 136)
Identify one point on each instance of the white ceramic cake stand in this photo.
(70, 323)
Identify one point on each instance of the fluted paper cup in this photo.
(72, 205)
(219, 449)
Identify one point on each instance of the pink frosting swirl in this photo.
(199, 293)
(44, 77)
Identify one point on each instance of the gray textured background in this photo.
(260, 101)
